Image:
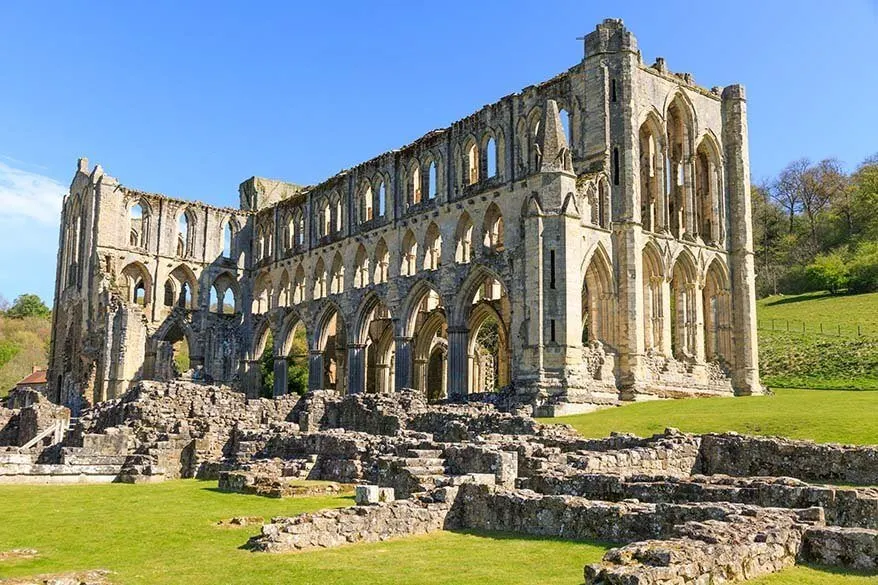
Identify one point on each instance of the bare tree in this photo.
(786, 190)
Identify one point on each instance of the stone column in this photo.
(356, 367)
(458, 364)
(745, 376)
(403, 358)
(419, 380)
(698, 318)
(315, 370)
(280, 375)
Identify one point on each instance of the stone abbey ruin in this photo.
(580, 244)
(596, 226)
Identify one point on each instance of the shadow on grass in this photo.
(837, 571)
(804, 297)
(491, 535)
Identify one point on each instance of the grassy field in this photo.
(167, 534)
(816, 340)
(840, 416)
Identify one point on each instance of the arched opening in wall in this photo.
(432, 247)
(566, 126)
(332, 342)
(533, 125)
(170, 294)
(286, 236)
(376, 335)
(432, 181)
(472, 162)
(299, 222)
(336, 275)
(319, 280)
(324, 218)
(259, 253)
(172, 358)
(382, 262)
(299, 285)
(382, 200)
(138, 220)
(708, 197)
(599, 302)
(487, 318)
(262, 294)
(223, 295)
(684, 317)
(429, 327)
(265, 356)
(409, 263)
(229, 232)
(491, 153)
(284, 290)
(338, 215)
(493, 229)
(184, 234)
(463, 236)
(717, 314)
(185, 287)
(361, 267)
(295, 349)
(363, 203)
(652, 207)
(137, 284)
(415, 184)
(680, 122)
(653, 300)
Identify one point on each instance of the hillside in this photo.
(24, 343)
(817, 340)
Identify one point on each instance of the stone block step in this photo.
(424, 453)
(424, 462)
(426, 470)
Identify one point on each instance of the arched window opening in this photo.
(416, 184)
(139, 293)
(325, 218)
(432, 248)
(337, 275)
(382, 200)
(361, 268)
(492, 157)
(319, 280)
(432, 183)
(684, 319)
(222, 295)
(409, 255)
(228, 239)
(228, 303)
(652, 207)
(300, 228)
(299, 285)
(566, 126)
(183, 235)
(170, 293)
(382, 262)
(679, 123)
(464, 240)
(138, 220)
(654, 295)
(472, 163)
(339, 218)
(493, 231)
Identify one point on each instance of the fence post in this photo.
(821, 328)
(803, 326)
(859, 332)
(788, 325)
(839, 329)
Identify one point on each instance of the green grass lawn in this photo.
(806, 357)
(840, 416)
(166, 534)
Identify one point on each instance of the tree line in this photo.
(815, 227)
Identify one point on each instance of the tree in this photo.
(787, 189)
(4, 304)
(28, 305)
(829, 272)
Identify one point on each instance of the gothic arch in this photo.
(408, 265)
(463, 239)
(183, 281)
(684, 306)
(409, 310)
(717, 305)
(432, 247)
(382, 262)
(599, 299)
(138, 284)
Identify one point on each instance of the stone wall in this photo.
(741, 455)
(849, 548)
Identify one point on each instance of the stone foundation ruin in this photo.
(682, 508)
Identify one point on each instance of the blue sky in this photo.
(189, 101)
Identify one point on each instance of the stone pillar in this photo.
(668, 314)
(698, 318)
(419, 380)
(280, 375)
(745, 376)
(315, 370)
(382, 372)
(458, 363)
(356, 367)
(403, 358)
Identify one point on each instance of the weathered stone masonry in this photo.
(600, 219)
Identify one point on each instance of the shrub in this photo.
(864, 268)
(829, 272)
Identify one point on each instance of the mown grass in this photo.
(822, 415)
(806, 357)
(167, 534)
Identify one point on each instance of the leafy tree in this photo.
(28, 305)
(864, 268)
(829, 272)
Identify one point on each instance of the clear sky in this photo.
(191, 98)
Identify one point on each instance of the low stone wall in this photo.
(842, 506)
(849, 548)
(373, 523)
(741, 547)
(673, 454)
(741, 455)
